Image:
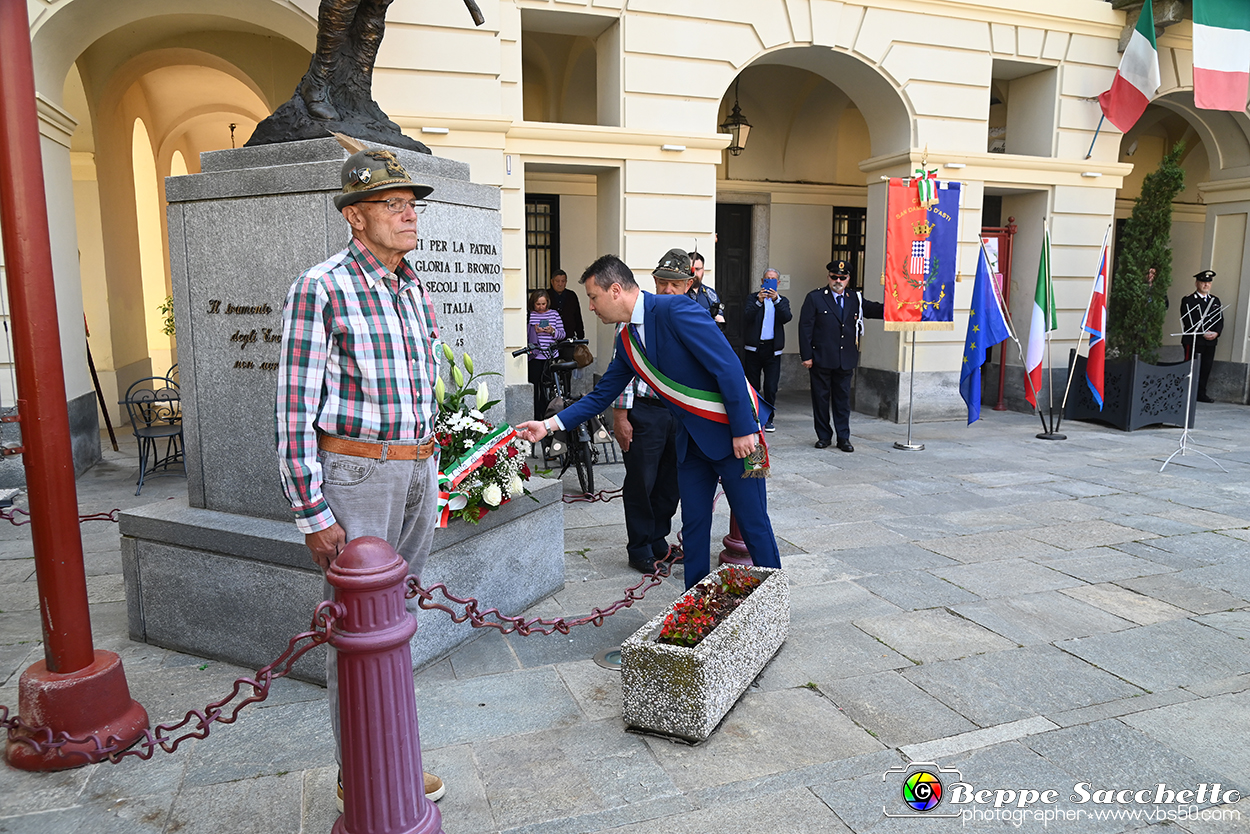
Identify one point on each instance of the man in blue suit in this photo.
(701, 381)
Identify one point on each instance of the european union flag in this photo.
(986, 328)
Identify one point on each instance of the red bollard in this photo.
(735, 552)
(383, 786)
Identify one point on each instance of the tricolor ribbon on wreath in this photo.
(709, 405)
(450, 498)
(926, 185)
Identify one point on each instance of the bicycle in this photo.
(578, 446)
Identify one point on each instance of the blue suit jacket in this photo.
(687, 347)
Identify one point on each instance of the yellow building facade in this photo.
(599, 121)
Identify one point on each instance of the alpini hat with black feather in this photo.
(369, 171)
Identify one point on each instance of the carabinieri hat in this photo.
(371, 171)
(1205, 275)
(839, 268)
(674, 266)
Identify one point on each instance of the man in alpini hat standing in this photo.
(356, 407)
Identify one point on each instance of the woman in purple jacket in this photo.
(545, 329)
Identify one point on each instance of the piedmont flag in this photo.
(1137, 79)
(1221, 54)
(1043, 321)
(986, 328)
(1095, 324)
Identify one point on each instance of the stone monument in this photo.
(225, 574)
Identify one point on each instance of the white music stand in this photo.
(1184, 449)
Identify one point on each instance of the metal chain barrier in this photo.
(493, 618)
(10, 514)
(604, 495)
(224, 711)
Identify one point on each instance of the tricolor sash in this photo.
(707, 404)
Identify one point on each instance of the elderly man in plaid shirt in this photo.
(356, 406)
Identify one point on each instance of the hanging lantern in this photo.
(736, 126)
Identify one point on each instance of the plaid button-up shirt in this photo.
(357, 361)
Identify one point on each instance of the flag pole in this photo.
(1084, 334)
(1011, 331)
(1051, 432)
(1095, 139)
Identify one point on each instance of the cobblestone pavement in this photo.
(1037, 615)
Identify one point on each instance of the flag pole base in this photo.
(1050, 435)
(910, 447)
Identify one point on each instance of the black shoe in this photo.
(676, 553)
(822, 444)
(649, 566)
(845, 445)
(770, 427)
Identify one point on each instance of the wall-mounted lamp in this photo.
(736, 126)
(439, 130)
(1091, 174)
(674, 148)
(954, 165)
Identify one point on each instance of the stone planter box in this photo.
(686, 691)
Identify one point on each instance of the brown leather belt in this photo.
(383, 451)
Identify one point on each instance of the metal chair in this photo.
(155, 409)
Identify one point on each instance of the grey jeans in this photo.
(395, 500)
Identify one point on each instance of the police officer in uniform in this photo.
(1201, 309)
(830, 325)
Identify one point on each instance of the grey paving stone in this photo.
(488, 654)
(597, 690)
(1176, 560)
(1232, 576)
(841, 536)
(818, 568)
(915, 589)
(1124, 706)
(796, 810)
(26, 792)
(265, 803)
(1017, 683)
(1233, 818)
(1210, 545)
(1041, 618)
(932, 635)
(1173, 589)
(132, 814)
(1109, 754)
(1236, 623)
(898, 557)
(318, 811)
(1079, 534)
(1210, 730)
(893, 709)
(989, 547)
(942, 749)
(1157, 525)
(263, 742)
(1103, 564)
(1165, 654)
(829, 602)
(580, 643)
(493, 706)
(1008, 577)
(1208, 520)
(767, 732)
(1066, 511)
(1126, 604)
(835, 651)
(540, 777)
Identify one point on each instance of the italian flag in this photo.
(1221, 54)
(1043, 321)
(1138, 76)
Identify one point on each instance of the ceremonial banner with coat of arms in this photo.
(920, 247)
